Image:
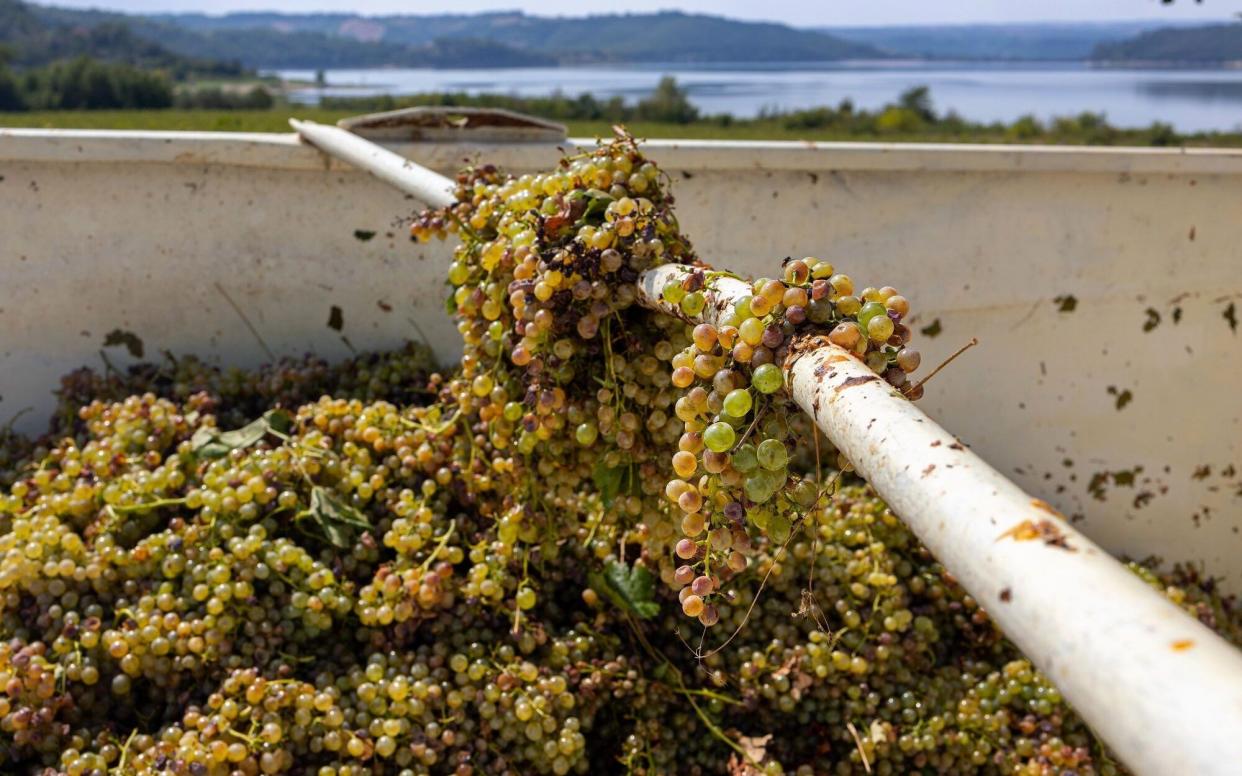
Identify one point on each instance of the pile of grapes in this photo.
(593, 547)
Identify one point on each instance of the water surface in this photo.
(1190, 100)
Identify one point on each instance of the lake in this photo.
(1190, 100)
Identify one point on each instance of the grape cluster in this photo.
(376, 568)
(731, 468)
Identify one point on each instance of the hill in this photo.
(34, 40)
(654, 37)
(1041, 41)
(288, 46)
(1215, 44)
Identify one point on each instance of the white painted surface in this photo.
(103, 230)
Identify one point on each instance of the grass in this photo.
(277, 120)
(171, 119)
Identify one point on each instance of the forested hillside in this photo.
(1215, 44)
(658, 37)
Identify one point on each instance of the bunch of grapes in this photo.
(375, 568)
(731, 468)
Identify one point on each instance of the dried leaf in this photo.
(756, 747)
(131, 341)
(336, 318)
(879, 733)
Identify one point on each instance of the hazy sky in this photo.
(795, 12)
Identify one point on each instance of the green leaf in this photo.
(608, 481)
(450, 302)
(336, 519)
(279, 421)
(631, 589)
(213, 443)
(600, 200)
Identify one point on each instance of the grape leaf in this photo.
(597, 202)
(210, 442)
(631, 589)
(607, 481)
(334, 517)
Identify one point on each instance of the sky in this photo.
(801, 13)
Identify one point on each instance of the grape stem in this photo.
(448, 534)
(973, 341)
(120, 765)
(147, 506)
(858, 742)
(689, 694)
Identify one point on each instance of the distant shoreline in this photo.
(895, 63)
(1160, 64)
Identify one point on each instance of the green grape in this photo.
(880, 328)
(673, 293)
(779, 527)
(772, 455)
(458, 273)
(586, 433)
(870, 310)
(745, 458)
(525, 598)
(693, 303)
(738, 402)
(768, 378)
(762, 486)
(719, 437)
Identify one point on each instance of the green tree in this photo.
(918, 100)
(667, 103)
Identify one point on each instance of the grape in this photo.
(772, 455)
(705, 337)
(737, 402)
(908, 359)
(692, 605)
(849, 305)
(719, 437)
(768, 378)
(869, 311)
(684, 463)
(845, 335)
(674, 293)
(586, 433)
(751, 331)
(880, 328)
(745, 458)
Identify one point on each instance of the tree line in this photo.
(911, 116)
(83, 83)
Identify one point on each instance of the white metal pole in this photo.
(431, 187)
(1160, 688)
